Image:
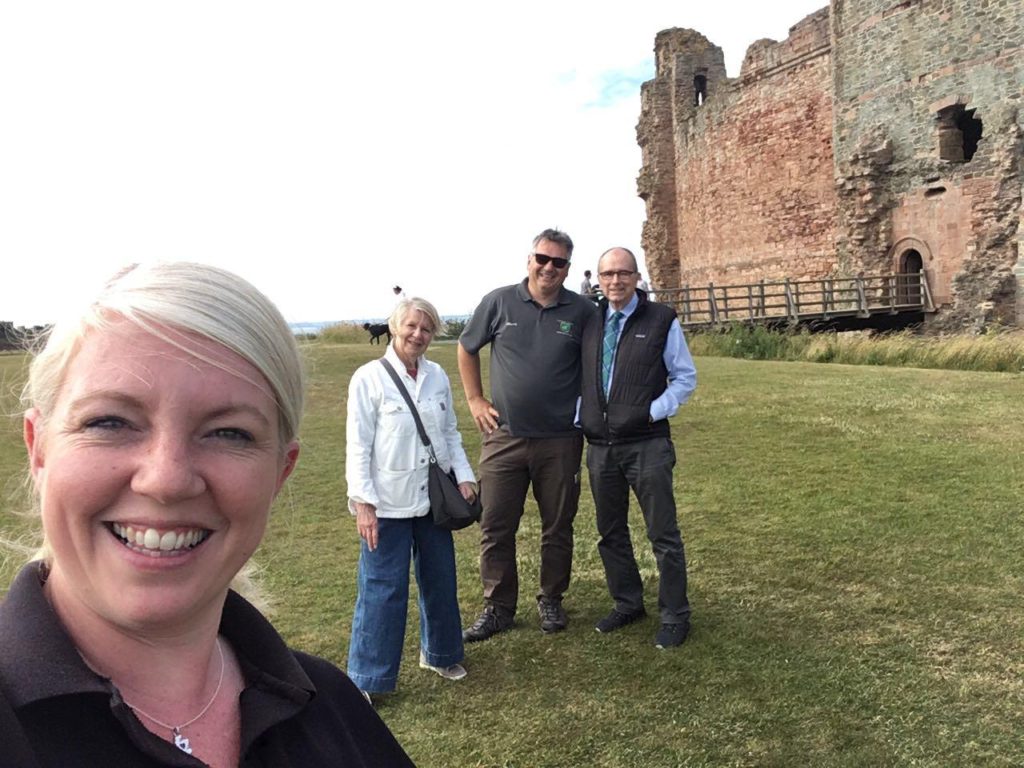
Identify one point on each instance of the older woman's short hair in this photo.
(166, 299)
(408, 305)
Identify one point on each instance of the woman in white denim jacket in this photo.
(386, 471)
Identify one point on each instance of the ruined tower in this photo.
(880, 136)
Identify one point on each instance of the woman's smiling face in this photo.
(156, 472)
(413, 336)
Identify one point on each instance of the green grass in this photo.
(998, 350)
(856, 563)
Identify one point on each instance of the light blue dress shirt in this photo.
(682, 375)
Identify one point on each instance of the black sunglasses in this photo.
(557, 261)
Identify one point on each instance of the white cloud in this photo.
(324, 150)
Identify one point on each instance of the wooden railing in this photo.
(798, 301)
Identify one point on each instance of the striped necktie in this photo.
(611, 338)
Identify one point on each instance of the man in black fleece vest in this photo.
(637, 371)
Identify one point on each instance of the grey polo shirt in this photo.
(535, 357)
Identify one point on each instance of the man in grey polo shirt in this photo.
(534, 328)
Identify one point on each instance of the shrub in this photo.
(454, 327)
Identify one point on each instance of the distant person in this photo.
(535, 329)
(652, 293)
(399, 293)
(586, 287)
(637, 371)
(162, 422)
(386, 470)
(641, 284)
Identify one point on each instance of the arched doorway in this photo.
(908, 285)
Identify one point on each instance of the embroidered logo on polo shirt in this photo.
(565, 326)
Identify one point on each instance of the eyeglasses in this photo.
(556, 261)
(622, 274)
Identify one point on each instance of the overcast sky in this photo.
(329, 150)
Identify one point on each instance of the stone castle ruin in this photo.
(882, 136)
(15, 337)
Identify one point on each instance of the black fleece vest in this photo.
(639, 377)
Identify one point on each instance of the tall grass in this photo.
(354, 333)
(996, 351)
(344, 333)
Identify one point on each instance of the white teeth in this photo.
(153, 541)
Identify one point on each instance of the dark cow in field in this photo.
(377, 330)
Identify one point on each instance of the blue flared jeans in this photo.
(378, 626)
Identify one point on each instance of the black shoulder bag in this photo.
(448, 505)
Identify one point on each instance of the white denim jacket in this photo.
(385, 460)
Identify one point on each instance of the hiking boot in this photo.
(452, 672)
(489, 623)
(671, 635)
(617, 620)
(552, 615)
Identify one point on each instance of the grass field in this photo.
(856, 562)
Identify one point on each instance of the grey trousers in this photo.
(646, 467)
(508, 466)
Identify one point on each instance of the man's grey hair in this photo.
(555, 236)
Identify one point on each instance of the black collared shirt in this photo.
(296, 710)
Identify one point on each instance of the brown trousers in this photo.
(508, 466)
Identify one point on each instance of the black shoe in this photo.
(552, 616)
(671, 635)
(616, 620)
(489, 623)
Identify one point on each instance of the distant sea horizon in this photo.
(315, 326)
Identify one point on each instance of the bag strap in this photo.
(412, 406)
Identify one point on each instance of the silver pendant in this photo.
(182, 743)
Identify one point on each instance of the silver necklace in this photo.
(180, 741)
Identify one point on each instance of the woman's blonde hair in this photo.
(166, 299)
(169, 299)
(405, 306)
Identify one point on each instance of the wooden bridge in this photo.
(840, 303)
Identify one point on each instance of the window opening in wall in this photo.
(970, 127)
(700, 89)
(908, 286)
(959, 131)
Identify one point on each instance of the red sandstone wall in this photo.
(755, 180)
(896, 66)
(935, 222)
